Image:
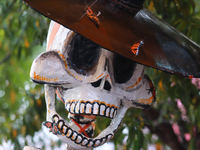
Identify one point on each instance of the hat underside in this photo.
(133, 32)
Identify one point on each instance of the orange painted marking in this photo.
(76, 140)
(76, 109)
(190, 76)
(72, 137)
(77, 77)
(107, 76)
(41, 78)
(135, 48)
(82, 110)
(59, 97)
(63, 57)
(68, 71)
(90, 110)
(108, 114)
(138, 81)
(70, 35)
(68, 134)
(147, 101)
(99, 76)
(53, 34)
(91, 16)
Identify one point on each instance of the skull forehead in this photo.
(57, 36)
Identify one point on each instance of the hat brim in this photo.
(120, 29)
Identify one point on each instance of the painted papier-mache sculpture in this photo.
(94, 81)
(90, 82)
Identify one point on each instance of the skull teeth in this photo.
(88, 108)
(79, 138)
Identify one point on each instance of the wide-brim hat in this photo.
(125, 27)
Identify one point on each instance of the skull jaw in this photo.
(70, 136)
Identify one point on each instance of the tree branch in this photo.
(163, 130)
(6, 58)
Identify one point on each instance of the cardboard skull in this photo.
(90, 81)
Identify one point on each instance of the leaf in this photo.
(138, 143)
(14, 133)
(26, 43)
(12, 96)
(161, 85)
(131, 137)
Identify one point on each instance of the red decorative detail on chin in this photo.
(82, 129)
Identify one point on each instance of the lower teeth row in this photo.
(91, 109)
(78, 138)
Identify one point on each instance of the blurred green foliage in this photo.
(22, 107)
(22, 34)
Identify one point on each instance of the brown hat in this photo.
(125, 27)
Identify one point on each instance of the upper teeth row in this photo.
(94, 108)
(78, 138)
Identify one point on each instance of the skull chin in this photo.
(83, 124)
(78, 133)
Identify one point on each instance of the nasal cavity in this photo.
(107, 85)
(97, 83)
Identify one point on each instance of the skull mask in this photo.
(90, 81)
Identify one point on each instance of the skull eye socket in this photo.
(123, 68)
(83, 55)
